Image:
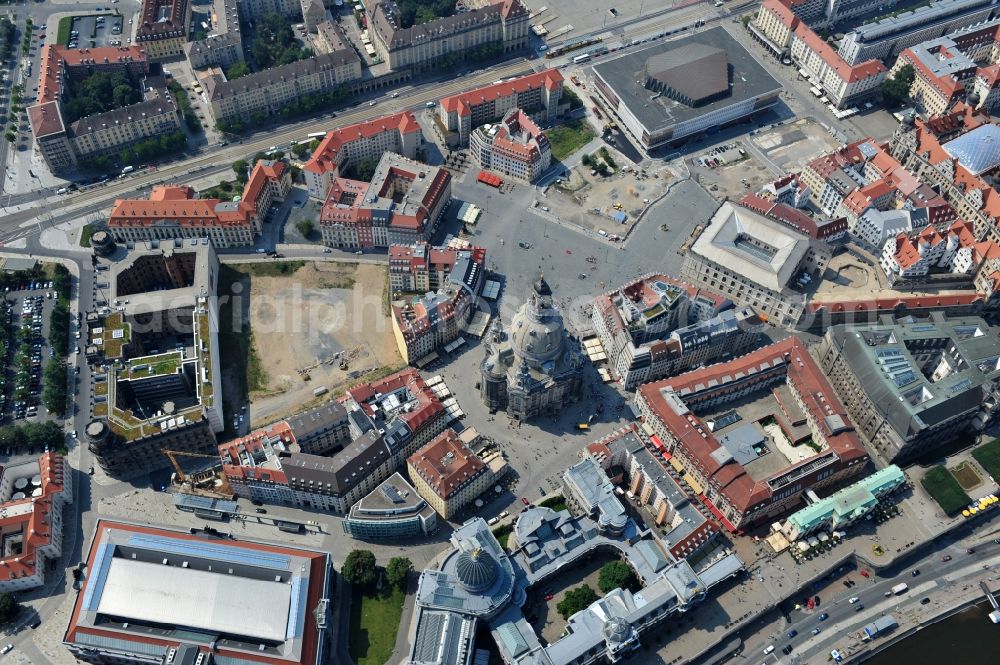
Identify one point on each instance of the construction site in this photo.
(207, 481)
(314, 330)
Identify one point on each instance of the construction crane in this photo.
(199, 480)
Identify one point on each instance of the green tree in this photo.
(896, 89)
(365, 169)
(54, 395)
(306, 227)
(359, 568)
(240, 168)
(397, 570)
(616, 575)
(8, 608)
(575, 600)
(237, 69)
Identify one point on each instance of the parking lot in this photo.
(27, 350)
(96, 30)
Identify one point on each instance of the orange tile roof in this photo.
(698, 443)
(152, 27)
(846, 72)
(176, 204)
(324, 158)
(34, 525)
(239, 449)
(893, 304)
(463, 102)
(783, 11)
(447, 464)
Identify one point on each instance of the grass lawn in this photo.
(502, 534)
(944, 489)
(556, 503)
(568, 137)
(988, 456)
(85, 233)
(374, 623)
(270, 268)
(65, 27)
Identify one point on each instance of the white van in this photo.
(769, 650)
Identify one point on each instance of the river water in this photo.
(968, 638)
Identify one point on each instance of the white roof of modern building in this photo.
(149, 587)
(750, 244)
(392, 499)
(150, 592)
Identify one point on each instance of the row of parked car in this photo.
(28, 379)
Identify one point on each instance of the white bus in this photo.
(581, 58)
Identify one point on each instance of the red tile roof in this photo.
(151, 27)
(429, 404)
(462, 103)
(324, 158)
(34, 524)
(846, 72)
(894, 304)
(446, 464)
(176, 204)
(697, 443)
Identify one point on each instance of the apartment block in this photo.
(946, 154)
(162, 27)
(515, 148)
(889, 36)
(267, 91)
(787, 35)
(333, 456)
(424, 323)
(501, 23)
(942, 74)
(632, 462)
(158, 398)
(62, 144)
(341, 148)
(954, 251)
(32, 496)
(651, 328)
(539, 94)
(173, 212)
(402, 204)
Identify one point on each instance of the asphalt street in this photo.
(844, 620)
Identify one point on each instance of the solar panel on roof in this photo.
(296, 609)
(217, 552)
(99, 575)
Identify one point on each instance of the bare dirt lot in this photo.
(304, 318)
(590, 200)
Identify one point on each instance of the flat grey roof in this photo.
(176, 596)
(625, 76)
